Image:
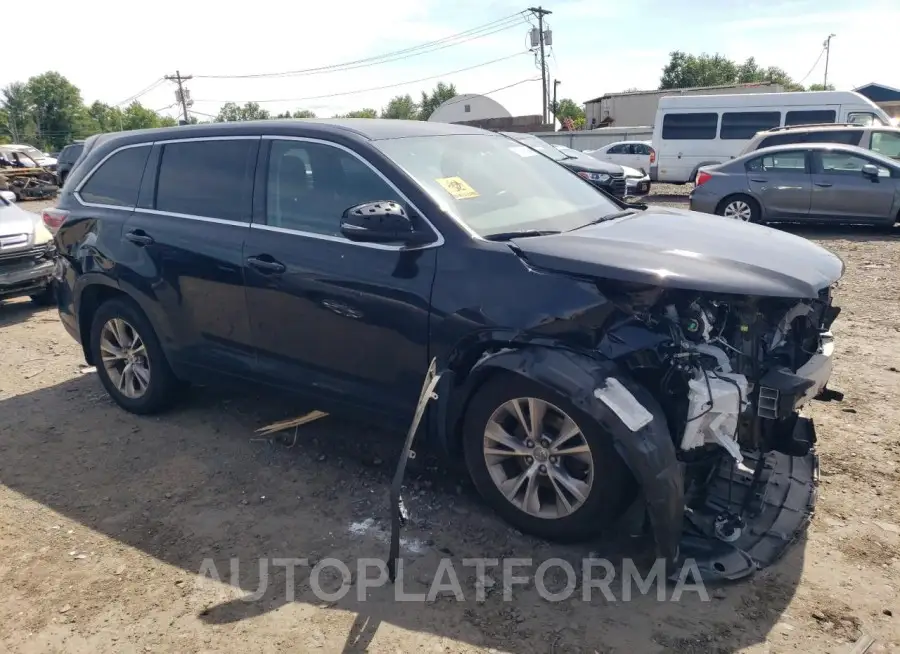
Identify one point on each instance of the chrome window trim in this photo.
(84, 180)
(189, 216)
(341, 239)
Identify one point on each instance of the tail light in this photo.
(652, 155)
(53, 218)
(702, 178)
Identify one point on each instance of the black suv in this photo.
(586, 349)
(66, 160)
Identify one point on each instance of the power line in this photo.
(472, 34)
(376, 88)
(821, 52)
(134, 97)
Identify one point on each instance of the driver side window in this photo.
(310, 185)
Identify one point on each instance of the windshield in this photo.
(495, 186)
(34, 153)
(543, 147)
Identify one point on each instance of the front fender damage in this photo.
(775, 493)
(629, 413)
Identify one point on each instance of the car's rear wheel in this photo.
(739, 207)
(541, 463)
(129, 359)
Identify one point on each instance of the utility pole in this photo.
(182, 95)
(827, 45)
(554, 106)
(540, 12)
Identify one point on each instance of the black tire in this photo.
(755, 212)
(162, 389)
(613, 486)
(46, 298)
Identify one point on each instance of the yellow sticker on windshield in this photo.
(457, 187)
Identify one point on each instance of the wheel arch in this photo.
(742, 194)
(638, 425)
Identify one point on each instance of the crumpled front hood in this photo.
(673, 248)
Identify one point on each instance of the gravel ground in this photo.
(106, 519)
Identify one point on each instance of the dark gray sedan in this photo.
(818, 182)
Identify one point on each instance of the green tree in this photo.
(57, 109)
(820, 87)
(300, 113)
(566, 108)
(18, 122)
(687, 70)
(232, 112)
(105, 118)
(401, 107)
(431, 101)
(136, 116)
(360, 113)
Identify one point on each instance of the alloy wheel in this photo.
(538, 458)
(739, 210)
(124, 357)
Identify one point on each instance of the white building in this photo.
(467, 107)
(638, 108)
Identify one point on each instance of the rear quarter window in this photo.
(118, 179)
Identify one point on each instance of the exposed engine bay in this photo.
(731, 374)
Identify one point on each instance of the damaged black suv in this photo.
(597, 360)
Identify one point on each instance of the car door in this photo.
(614, 153)
(185, 241)
(782, 183)
(841, 191)
(344, 320)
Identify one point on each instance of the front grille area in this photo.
(617, 185)
(16, 256)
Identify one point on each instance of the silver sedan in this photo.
(821, 182)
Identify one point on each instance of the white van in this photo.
(701, 130)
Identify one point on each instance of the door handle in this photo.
(266, 265)
(824, 184)
(758, 179)
(138, 237)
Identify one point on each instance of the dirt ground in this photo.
(106, 519)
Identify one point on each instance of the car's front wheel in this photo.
(130, 361)
(544, 465)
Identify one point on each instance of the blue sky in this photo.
(600, 46)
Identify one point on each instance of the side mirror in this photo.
(870, 170)
(384, 221)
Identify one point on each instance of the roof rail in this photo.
(787, 127)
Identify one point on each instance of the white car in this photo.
(635, 154)
(40, 158)
(637, 182)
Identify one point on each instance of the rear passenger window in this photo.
(745, 124)
(118, 180)
(212, 178)
(810, 117)
(685, 127)
(616, 149)
(782, 139)
(784, 162)
(310, 185)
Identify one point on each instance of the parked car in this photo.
(637, 183)
(605, 176)
(67, 159)
(634, 154)
(27, 255)
(812, 181)
(587, 350)
(28, 153)
(879, 139)
(692, 131)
